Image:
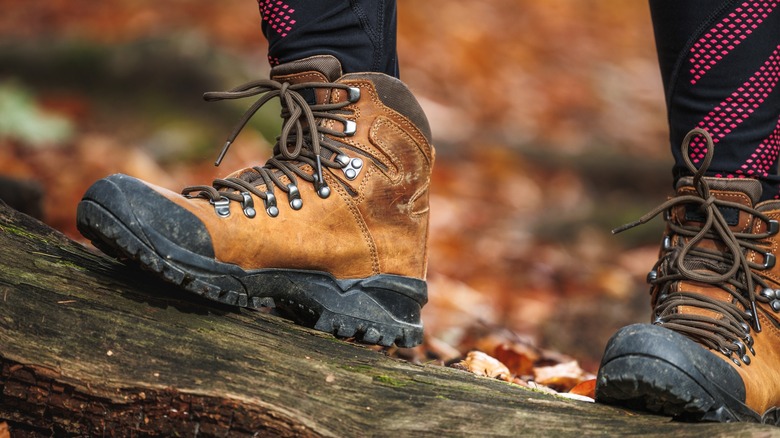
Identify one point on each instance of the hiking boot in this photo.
(713, 350)
(332, 230)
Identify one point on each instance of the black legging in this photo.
(720, 62)
(359, 33)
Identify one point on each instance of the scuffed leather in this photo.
(379, 225)
(762, 376)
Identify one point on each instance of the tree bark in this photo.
(89, 346)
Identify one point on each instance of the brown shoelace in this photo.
(301, 142)
(683, 259)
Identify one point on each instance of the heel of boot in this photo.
(383, 309)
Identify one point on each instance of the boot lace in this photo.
(730, 270)
(301, 142)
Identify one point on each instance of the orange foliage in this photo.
(501, 81)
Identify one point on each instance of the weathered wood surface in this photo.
(90, 347)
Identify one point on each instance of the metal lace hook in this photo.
(323, 191)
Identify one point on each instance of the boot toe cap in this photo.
(152, 218)
(649, 367)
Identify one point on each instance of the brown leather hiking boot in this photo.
(332, 230)
(713, 351)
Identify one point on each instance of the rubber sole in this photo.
(383, 309)
(649, 368)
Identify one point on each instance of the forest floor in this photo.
(545, 143)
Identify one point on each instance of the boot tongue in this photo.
(745, 191)
(747, 186)
(316, 69)
(320, 68)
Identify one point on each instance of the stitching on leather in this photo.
(367, 238)
(415, 132)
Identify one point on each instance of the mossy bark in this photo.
(91, 347)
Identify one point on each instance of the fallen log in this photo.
(89, 346)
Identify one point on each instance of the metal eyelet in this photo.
(769, 260)
(353, 94)
(742, 349)
(352, 170)
(768, 293)
(248, 205)
(667, 242)
(350, 128)
(221, 207)
(651, 276)
(323, 191)
(773, 227)
(270, 205)
(775, 304)
(294, 196)
(749, 341)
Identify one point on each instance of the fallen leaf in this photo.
(561, 377)
(519, 358)
(586, 388)
(483, 364)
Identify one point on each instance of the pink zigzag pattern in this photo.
(737, 108)
(726, 35)
(278, 15)
(761, 161)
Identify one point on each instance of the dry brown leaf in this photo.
(483, 364)
(519, 358)
(488, 198)
(561, 377)
(586, 388)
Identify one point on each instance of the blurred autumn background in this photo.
(548, 119)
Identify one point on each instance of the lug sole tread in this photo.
(109, 235)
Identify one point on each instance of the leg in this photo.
(360, 34)
(712, 350)
(333, 229)
(719, 63)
